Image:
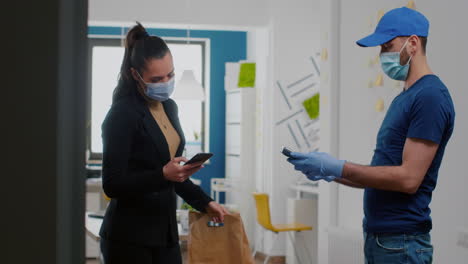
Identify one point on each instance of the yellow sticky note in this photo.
(411, 4)
(324, 54)
(379, 80)
(312, 106)
(379, 105)
(380, 14)
(247, 75)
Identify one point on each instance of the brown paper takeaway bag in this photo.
(227, 244)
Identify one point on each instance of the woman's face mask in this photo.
(390, 62)
(158, 91)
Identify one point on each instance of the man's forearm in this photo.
(349, 183)
(391, 178)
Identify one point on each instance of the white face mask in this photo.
(159, 91)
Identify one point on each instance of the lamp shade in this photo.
(188, 88)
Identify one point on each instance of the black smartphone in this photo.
(286, 152)
(199, 157)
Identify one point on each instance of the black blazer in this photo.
(142, 210)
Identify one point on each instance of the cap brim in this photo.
(374, 39)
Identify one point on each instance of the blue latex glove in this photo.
(317, 165)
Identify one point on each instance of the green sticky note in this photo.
(312, 106)
(247, 75)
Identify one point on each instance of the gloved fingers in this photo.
(325, 178)
(329, 178)
(322, 170)
(307, 167)
(314, 177)
(301, 167)
(297, 162)
(298, 155)
(292, 161)
(312, 172)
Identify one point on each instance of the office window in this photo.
(105, 60)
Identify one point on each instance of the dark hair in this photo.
(139, 48)
(423, 43)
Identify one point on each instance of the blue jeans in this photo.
(397, 248)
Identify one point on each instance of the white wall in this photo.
(295, 30)
(447, 58)
(446, 54)
(244, 13)
(329, 112)
(282, 50)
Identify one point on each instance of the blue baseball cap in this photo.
(397, 22)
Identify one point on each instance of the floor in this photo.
(94, 261)
(257, 261)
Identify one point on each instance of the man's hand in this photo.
(216, 211)
(317, 165)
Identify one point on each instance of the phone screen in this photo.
(200, 157)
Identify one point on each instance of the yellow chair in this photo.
(264, 219)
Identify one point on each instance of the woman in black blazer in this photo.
(143, 143)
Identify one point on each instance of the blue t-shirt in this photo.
(423, 111)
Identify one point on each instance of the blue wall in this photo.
(226, 46)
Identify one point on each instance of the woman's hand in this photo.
(217, 211)
(175, 172)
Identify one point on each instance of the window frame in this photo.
(117, 41)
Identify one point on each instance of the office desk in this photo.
(93, 225)
(301, 189)
(95, 202)
(95, 195)
(303, 208)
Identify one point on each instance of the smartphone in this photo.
(286, 152)
(199, 157)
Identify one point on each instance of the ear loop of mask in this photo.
(141, 78)
(411, 56)
(145, 86)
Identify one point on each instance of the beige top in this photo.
(171, 135)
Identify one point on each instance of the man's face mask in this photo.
(390, 62)
(158, 91)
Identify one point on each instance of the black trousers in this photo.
(115, 252)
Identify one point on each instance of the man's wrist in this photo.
(338, 168)
(344, 171)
